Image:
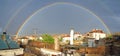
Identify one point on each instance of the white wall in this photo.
(12, 52)
(97, 36)
(76, 36)
(65, 39)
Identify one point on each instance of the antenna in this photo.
(35, 31)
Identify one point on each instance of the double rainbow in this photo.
(53, 4)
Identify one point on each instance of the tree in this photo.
(48, 38)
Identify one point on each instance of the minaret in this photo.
(71, 36)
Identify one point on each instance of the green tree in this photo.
(48, 38)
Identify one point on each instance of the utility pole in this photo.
(35, 31)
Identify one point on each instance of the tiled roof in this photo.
(77, 33)
(96, 31)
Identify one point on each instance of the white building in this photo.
(97, 34)
(71, 37)
(65, 38)
(77, 36)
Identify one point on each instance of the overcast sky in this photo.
(59, 18)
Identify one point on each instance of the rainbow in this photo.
(53, 4)
(16, 13)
